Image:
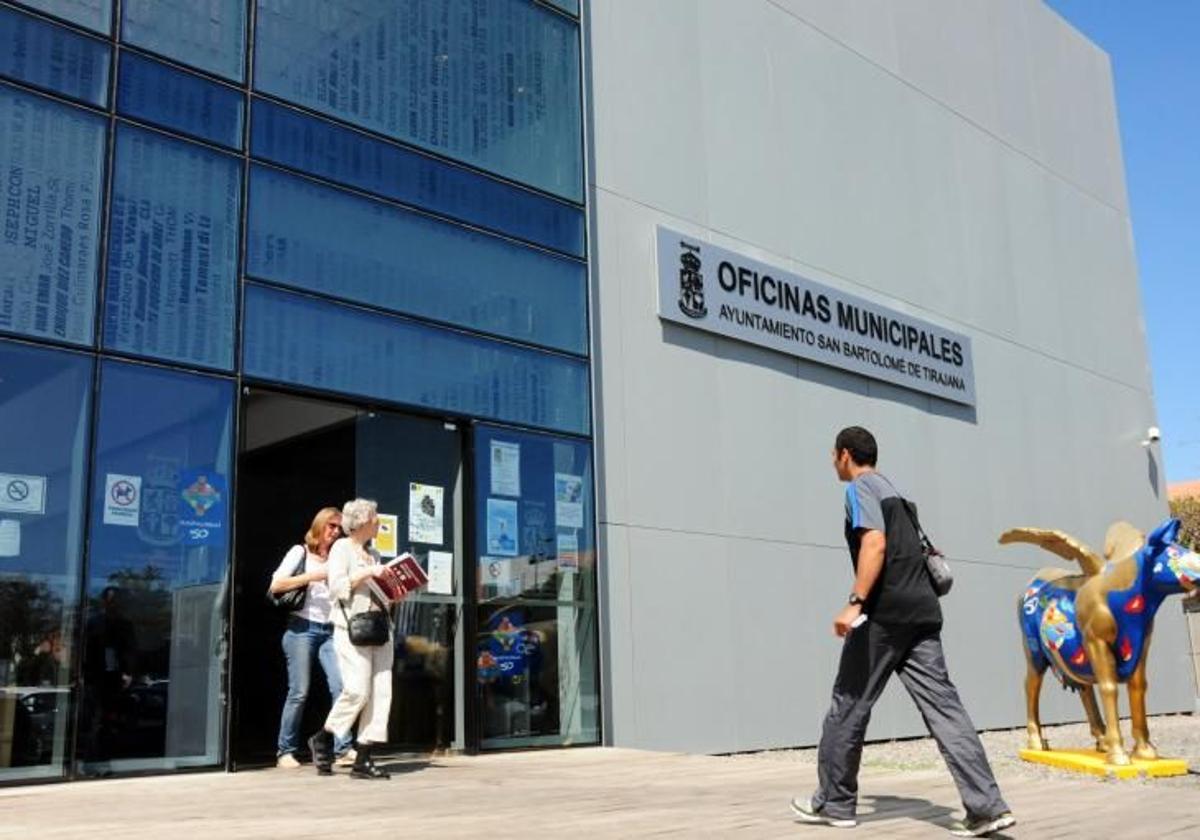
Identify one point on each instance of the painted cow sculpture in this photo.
(1094, 629)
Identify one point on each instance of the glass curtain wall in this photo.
(161, 164)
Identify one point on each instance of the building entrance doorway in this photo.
(298, 455)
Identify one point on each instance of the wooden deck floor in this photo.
(579, 794)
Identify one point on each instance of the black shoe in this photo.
(321, 745)
(364, 767)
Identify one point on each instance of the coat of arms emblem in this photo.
(691, 282)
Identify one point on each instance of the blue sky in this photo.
(1155, 51)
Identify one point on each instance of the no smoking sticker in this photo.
(22, 493)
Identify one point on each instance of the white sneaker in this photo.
(984, 826)
(288, 761)
(346, 759)
(805, 812)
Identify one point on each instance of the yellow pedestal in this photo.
(1092, 762)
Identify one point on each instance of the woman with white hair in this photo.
(367, 668)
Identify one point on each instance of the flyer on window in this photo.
(502, 527)
(506, 468)
(385, 540)
(425, 513)
(568, 550)
(568, 500)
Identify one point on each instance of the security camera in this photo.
(1153, 434)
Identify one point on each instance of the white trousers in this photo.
(366, 689)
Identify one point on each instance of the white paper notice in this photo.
(10, 538)
(568, 500)
(22, 493)
(385, 540)
(122, 499)
(425, 513)
(568, 550)
(502, 527)
(496, 576)
(441, 573)
(506, 468)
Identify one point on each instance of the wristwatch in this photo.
(856, 599)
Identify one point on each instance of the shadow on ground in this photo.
(887, 808)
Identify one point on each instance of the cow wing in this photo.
(1057, 542)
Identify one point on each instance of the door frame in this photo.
(465, 700)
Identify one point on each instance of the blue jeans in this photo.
(304, 641)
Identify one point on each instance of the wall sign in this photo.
(717, 290)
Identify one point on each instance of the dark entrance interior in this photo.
(298, 455)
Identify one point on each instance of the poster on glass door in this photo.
(502, 527)
(425, 513)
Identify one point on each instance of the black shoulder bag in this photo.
(293, 599)
(370, 628)
(935, 562)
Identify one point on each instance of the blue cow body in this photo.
(1050, 626)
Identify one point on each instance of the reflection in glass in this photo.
(94, 14)
(353, 158)
(154, 630)
(172, 98)
(209, 34)
(45, 405)
(536, 584)
(535, 670)
(318, 344)
(51, 157)
(53, 57)
(172, 255)
(312, 236)
(495, 84)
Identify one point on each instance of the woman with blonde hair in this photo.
(309, 633)
(366, 668)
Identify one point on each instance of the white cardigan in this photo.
(345, 561)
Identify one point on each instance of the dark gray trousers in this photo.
(870, 654)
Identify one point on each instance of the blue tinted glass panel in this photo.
(313, 343)
(172, 252)
(316, 237)
(52, 57)
(495, 84)
(571, 7)
(158, 560)
(534, 510)
(51, 159)
(351, 157)
(155, 92)
(209, 34)
(94, 14)
(45, 409)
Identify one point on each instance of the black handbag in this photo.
(370, 628)
(293, 599)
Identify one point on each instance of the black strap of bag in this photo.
(293, 599)
(935, 562)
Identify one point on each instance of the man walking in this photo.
(892, 624)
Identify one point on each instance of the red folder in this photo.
(400, 577)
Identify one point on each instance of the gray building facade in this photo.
(580, 293)
(958, 163)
